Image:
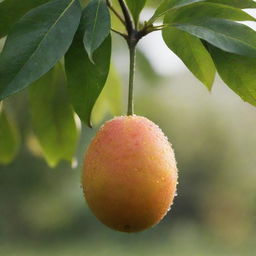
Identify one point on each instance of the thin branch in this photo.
(157, 28)
(127, 17)
(119, 33)
(149, 29)
(160, 27)
(115, 12)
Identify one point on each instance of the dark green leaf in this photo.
(192, 52)
(36, 43)
(85, 79)
(136, 7)
(200, 20)
(12, 10)
(110, 99)
(52, 117)
(238, 72)
(9, 138)
(96, 24)
(169, 5)
(226, 35)
(203, 11)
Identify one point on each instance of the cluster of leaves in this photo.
(206, 36)
(40, 33)
(54, 43)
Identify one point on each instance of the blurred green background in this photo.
(42, 210)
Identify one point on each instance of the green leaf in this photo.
(193, 54)
(52, 117)
(238, 72)
(136, 7)
(9, 138)
(85, 79)
(204, 11)
(96, 24)
(200, 20)
(170, 5)
(36, 43)
(12, 10)
(226, 35)
(110, 99)
(242, 4)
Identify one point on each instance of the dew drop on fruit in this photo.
(74, 163)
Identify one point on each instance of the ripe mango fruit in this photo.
(129, 177)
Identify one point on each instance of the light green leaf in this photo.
(242, 4)
(96, 25)
(238, 72)
(52, 117)
(9, 138)
(193, 54)
(226, 35)
(136, 7)
(12, 10)
(85, 79)
(36, 43)
(110, 99)
(170, 5)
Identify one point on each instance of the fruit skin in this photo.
(130, 175)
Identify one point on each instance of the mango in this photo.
(129, 176)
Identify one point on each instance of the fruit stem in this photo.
(132, 51)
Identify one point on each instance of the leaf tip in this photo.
(209, 87)
(90, 55)
(51, 163)
(90, 124)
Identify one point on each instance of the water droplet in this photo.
(74, 163)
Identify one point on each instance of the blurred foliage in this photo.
(52, 117)
(9, 137)
(42, 211)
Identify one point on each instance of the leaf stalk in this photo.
(109, 4)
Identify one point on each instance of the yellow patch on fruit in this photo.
(130, 175)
